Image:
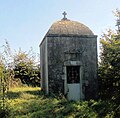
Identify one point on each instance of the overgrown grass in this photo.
(28, 102)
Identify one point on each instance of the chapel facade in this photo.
(68, 59)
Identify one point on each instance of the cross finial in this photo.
(64, 14)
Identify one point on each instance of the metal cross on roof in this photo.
(64, 14)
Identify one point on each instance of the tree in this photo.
(21, 65)
(26, 68)
(109, 66)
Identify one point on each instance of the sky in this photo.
(24, 23)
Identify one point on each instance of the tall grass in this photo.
(28, 102)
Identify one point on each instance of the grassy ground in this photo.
(28, 102)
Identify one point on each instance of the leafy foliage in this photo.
(109, 67)
(19, 67)
(26, 68)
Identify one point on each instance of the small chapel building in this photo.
(68, 60)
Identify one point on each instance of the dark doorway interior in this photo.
(73, 74)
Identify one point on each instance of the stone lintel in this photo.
(72, 63)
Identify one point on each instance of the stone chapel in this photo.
(68, 60)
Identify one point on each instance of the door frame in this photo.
(73, 63)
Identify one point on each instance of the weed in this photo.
(28, 102)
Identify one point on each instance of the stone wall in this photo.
(72, 48)
(44, 65)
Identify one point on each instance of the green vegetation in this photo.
(26, 69)
(16, 69)
(109, 67)
(28, 102)
(21, 66)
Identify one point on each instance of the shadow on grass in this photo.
(14, 95)
(53, 108)
(37, 92)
